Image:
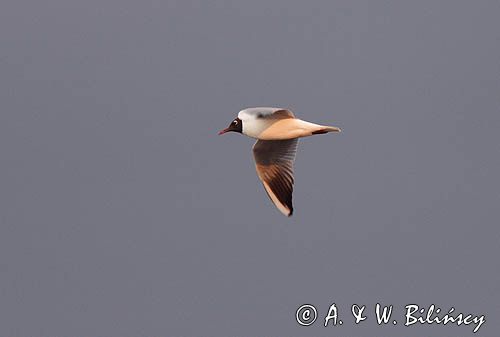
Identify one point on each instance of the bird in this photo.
(277, 131)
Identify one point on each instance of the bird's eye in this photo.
(235, 122)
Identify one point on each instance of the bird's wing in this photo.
(274, 164)
(283, 113)
(266, 112)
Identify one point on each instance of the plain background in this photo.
(124, 214)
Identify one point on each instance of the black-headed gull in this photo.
(277, 132)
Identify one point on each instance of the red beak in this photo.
(221, 132)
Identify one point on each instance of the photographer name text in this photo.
(412, 314)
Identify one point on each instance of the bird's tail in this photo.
(325, 129)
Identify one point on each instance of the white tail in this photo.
(325, 129)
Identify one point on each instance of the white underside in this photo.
(254, 127)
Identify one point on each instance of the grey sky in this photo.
(122, 213)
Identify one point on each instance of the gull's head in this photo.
(235, 126)
(252, 118)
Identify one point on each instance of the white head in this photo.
(256, 113)
(250, 121)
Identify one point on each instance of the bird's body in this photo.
(277, 132)
(277, 124)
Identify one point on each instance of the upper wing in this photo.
(274, 164)
(283, 113)
(266, 112)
